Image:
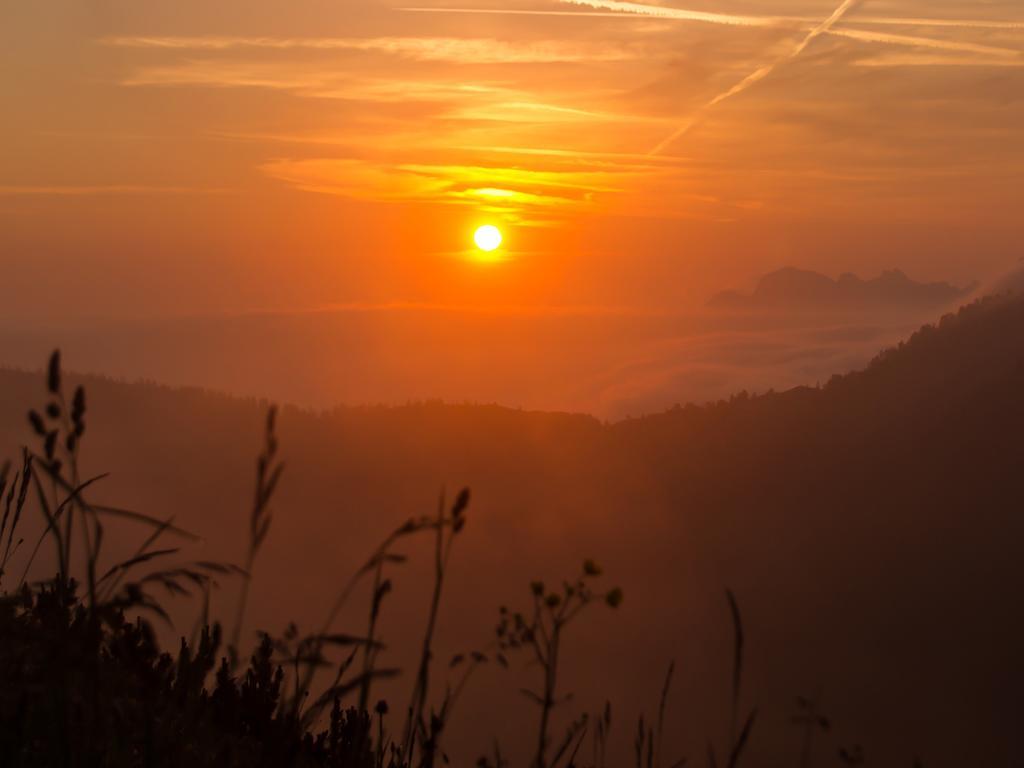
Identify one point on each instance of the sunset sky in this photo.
(196, 158)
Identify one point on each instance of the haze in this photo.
(754, 324)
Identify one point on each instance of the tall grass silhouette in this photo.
(87, 683)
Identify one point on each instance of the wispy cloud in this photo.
(541, 310)
(760, 73)
(325, 82)
(914, 41)
(537, 111)
(582, 181)
(936, 60)
(631, 159)
(447, 49)
(454, 100)
(504, 188)
(84, 190)
(529, 310)
(707, 366)
(232, 74)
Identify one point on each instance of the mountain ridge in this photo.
(799, 290)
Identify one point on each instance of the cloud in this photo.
(70, 190)
(511, 310)
(708, 367)
(527, 111)
(577, 158)
(509, 189)
(458, 99)
(235, 74)
(634, 160)
(320, 82)
(353, 178)
(442, 49)
(935, 60)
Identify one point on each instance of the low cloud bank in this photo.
(796, 328)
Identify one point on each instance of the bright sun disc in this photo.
(487, 237)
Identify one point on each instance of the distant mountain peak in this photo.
(795, 289)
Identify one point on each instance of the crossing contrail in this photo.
(759, 74)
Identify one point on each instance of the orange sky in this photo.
(164, 158)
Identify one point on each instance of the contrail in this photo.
(760, 73)
(620, 10)
(951, 23)
(627, 9)
(662, 12)
(953, 46)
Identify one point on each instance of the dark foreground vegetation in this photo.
(86, 682)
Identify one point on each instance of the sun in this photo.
(487, 237)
